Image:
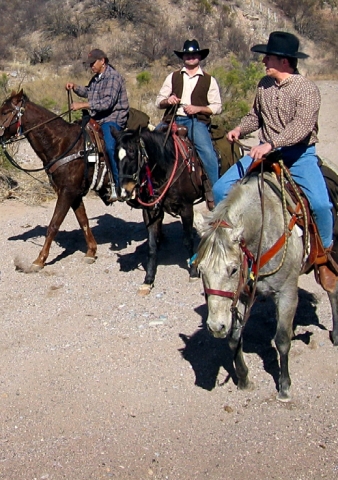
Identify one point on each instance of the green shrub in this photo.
(237, 83)
(143, 78)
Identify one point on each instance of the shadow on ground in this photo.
(207, 355)
(120, 234)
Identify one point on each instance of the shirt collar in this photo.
(199, 71)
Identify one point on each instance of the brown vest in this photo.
(199, 96)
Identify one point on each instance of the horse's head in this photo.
(128, 147)
(11, 112)
(219, 260)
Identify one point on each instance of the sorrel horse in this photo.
(228, 254)
(61, 147)
(156, 176)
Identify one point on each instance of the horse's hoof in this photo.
(34, 268)
(194, 279)
(248, 385)
(145, 289)
(283, 397)
(89, 260)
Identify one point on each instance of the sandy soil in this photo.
(99, 383)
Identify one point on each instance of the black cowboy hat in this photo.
(282, 44)
(192, 46)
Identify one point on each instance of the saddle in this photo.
(97, 151)
(192, 161)
(318, 258)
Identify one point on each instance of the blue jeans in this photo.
(303, 165)
(110, 143)
(199, 134)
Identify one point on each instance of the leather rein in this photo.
(143, 161)
(249, 269)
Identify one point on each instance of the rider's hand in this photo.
(234, 134)
(70, 86)
(79, 105)
(259, 151)
(191, 109)
(173, 100)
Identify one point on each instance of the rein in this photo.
(175, 173)
(16, 114)
(248, 260)
(167, 185)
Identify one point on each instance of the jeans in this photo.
(110, 143)
(199, 134)
(303, 165)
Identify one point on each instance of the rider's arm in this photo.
(165, 93)
(214, 98)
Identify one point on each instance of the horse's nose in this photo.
(218, 330)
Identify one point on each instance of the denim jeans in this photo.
(303, 165)
(110, 143)
(200, 136)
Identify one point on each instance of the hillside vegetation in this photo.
(43, 44)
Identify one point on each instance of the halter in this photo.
(247, 264)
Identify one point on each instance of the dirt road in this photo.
(99, 383)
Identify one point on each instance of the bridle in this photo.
(143, 161)
(13, 117)
(247, 273)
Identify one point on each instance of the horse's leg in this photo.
(236, 345)
(81, 215)
(153, 221)
(187, 216)
(333, 297)
(61, 209)
(286, 309)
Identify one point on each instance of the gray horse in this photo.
(232, 236)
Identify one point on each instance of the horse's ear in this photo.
(236, 233)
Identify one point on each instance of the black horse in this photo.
(159, 175)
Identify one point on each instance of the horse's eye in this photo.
(233, 272)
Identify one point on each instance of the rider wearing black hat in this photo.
(193, 96)
(285, 112)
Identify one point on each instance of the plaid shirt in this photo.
(107, 97)
(285, 113)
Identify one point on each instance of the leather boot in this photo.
(209, 198)
(326, 278)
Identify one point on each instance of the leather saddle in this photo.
(317, 258)
(186, 148)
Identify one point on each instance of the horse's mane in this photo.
(218, 242)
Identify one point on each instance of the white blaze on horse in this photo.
(234, 236)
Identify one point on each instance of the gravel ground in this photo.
(98, 382)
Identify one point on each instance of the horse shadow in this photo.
(119, 234)
(108, 230)
(168, 251)
(207, 354)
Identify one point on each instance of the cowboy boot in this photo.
(327, 271)
(209, 198)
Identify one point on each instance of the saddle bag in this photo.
(227, 153)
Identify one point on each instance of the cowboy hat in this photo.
(282, 44)
(192, 46)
